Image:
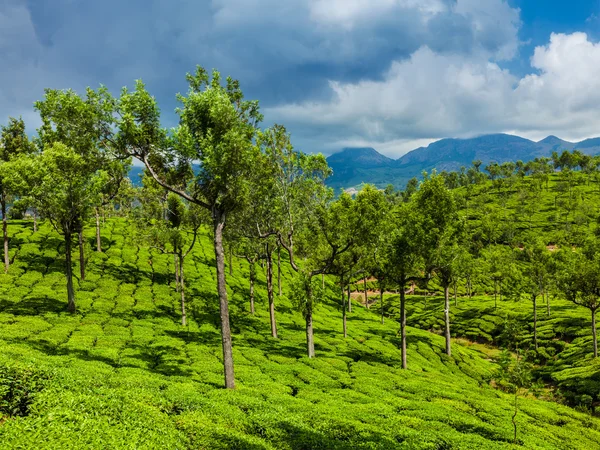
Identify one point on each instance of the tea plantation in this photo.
(123, 373)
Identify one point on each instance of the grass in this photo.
(123, 372)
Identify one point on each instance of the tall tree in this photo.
(536, 257)
(217, 129)
(579, 280)
(83, 124)
(59, 184)
(13, 144)
(402, 260)
(438, 215)
(176, 235)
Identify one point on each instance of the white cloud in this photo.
(432, 95)
(346, 13)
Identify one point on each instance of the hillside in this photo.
(123, 372)
(350, 169)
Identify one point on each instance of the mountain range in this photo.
(354, 166)
(357, 165)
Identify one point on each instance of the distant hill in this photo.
(353, 166)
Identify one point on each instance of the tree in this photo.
(513, 377)
(85, 125)
(535, 276)
(579, 280)
(13, 144)
(441, 225)
(402, 260)
(169, 235)
(464, 268)
(498, 265)
(115, 180)
(217, 129)
(60, 184)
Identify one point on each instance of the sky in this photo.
(390, 74)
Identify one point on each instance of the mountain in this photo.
(354, 166)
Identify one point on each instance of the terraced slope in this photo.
(123, 373)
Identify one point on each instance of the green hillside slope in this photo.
(123, 372)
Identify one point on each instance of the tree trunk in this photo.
(218, 224)
(182, 291)
(34, 221)
(81, 256)
(535, 342)
(455, 295)
(252, 269)
(403, 324)
(270, 291)
(381, 302)
(366, 294)
(5, 234)
(595, 338)
(176, 263)
(69, 273)
(98, 240)
(310, 341)
(349, 298)
(447, 319)
(514, 416)
(547, 304)
(344, 309)
(279, 269)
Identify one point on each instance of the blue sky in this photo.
(392, 74)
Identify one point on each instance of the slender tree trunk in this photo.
(547, 304)
(344, 305)
(69, 273)
(98, 240)
(366, 294)
(447, 319)
(535, 342)
(35, 227)
(279, 269)
(252, 269)
(182, 291)
(270, 291)
(381, 302)
(81, 256)
(176, 263)
(310, 341)
(403, 325)
(349, 298)
(218, 223)
(5, 234)
(514, 417)
(595, 338)
(455, 294)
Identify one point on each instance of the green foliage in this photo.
(18, 387)
(125, 371)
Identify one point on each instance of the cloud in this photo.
(432, 95)
(431, 64)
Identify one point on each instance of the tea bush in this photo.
(124, 373)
